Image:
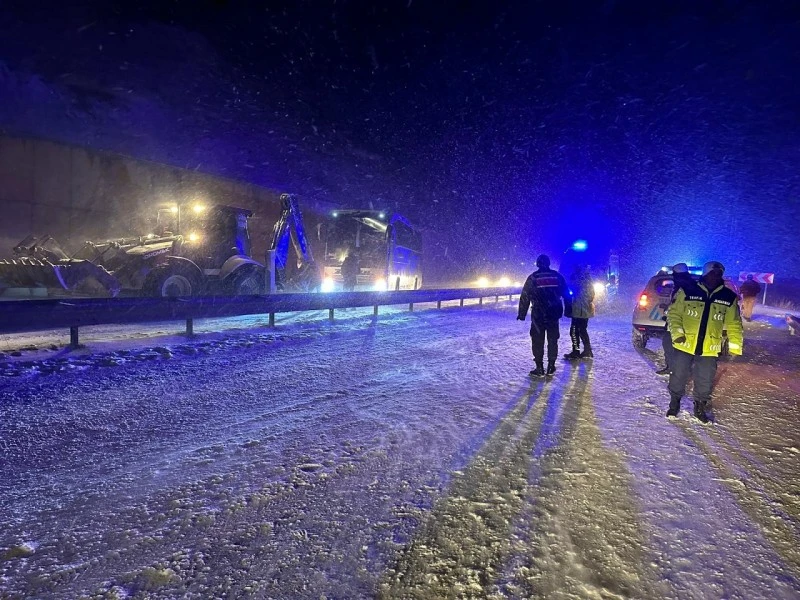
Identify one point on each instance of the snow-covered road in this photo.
(410, 457)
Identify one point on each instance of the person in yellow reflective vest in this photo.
(696, 320)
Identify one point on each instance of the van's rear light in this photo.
(643, 301)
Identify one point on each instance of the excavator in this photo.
(197, 250)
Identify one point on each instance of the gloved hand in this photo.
(679, 340)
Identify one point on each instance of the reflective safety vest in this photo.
(696, 312)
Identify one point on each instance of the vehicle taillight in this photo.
(643, 301)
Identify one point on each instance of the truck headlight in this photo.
(328, 284)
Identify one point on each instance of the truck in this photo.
(195, 250)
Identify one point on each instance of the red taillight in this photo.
(643, 301)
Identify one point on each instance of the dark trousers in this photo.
(540, 330)
(669, 349)
(579, 331)
(702, 368)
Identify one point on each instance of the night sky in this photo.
(666, 130)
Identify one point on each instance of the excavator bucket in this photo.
(40, 262)
(63, 275)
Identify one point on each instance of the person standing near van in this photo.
(546, 294)
(750, 290)
(696, 319)
(582, 310)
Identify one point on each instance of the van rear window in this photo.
(664, 287)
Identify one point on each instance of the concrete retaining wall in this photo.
(74, 194)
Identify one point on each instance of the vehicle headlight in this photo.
(194, 237)
(483, 282)
(599, 288)
(328, 284)
(503, 282)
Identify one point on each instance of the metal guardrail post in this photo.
(330, 314)
(269, 283)
(272, 319)
(375, 311)
(190, 327)
(438, 304)
(411, 307)
(73, 337)
(480, 301)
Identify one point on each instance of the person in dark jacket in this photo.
(546, 294)
(681, 280)
(350, 269)
(582, 310)
(750, 290)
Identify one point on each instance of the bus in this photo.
(387, 247)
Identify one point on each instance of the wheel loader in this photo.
(197, 250)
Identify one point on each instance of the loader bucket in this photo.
(70, 275)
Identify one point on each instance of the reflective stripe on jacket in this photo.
(543, 292)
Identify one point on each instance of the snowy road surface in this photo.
(408, 458)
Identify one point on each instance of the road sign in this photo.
(759, 277)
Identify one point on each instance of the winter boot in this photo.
(551, 369)
(575, 354)
(587, 353)
(664, 371)
(538, 371)
(700, 412)
(674, 406)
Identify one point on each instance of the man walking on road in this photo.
(750, 290)
(696, 319)
(546, 293)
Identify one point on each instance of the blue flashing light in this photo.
(335, 214)
(580, 245)
(381, 215)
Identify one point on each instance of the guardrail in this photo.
(793, 323)
(21, 316)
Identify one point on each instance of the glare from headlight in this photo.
(599, 288)
(483, 282)
(503, 282)
(193, 237)
(328, 284)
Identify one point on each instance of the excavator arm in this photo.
(289, 230)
